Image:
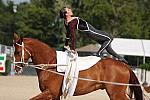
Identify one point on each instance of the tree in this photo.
(5, 24)
(34, 21)
(121, 18)
(144, 6)
(40, 19)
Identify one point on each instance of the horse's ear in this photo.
(16, 37)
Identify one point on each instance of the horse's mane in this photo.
(36, 41)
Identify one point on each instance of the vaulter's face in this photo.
(69, 12)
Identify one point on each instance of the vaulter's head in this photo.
(66, 12)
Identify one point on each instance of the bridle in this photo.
(22, 61)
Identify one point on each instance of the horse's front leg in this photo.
(45, 95)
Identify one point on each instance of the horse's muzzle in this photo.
(19, 68)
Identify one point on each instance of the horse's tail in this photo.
(138, 93)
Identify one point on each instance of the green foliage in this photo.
(33, 20)
(145, 66)
(5, 24)
(40, 19)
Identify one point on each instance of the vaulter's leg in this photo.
(102, 48)
(112, 52)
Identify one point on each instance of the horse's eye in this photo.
(17, 52)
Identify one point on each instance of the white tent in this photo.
(133, 47)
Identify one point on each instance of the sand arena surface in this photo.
(25, 87)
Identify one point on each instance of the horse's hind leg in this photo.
(118, 96)
(45, 95)
(117, 92)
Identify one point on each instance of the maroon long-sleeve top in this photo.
(71, 33)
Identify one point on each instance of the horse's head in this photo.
(21, 53)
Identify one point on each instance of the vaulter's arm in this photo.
(67, 36)
(70, 36)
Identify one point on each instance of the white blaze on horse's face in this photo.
(21, 56)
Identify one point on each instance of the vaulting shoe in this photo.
(123, 60)
(101, 55)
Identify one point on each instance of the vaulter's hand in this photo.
(74, 52)
(67, 47)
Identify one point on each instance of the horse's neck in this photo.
(42, 54)
(44, 57)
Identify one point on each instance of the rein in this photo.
(23, 49)
(80, 78)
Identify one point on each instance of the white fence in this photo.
(140, 73)
(8, 50)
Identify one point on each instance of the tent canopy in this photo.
(132, 47)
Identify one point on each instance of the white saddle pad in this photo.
(83, 63)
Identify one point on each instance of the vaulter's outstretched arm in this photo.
(70, 36)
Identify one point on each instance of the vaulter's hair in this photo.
(63, 12)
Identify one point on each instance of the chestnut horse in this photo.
(50, 83)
